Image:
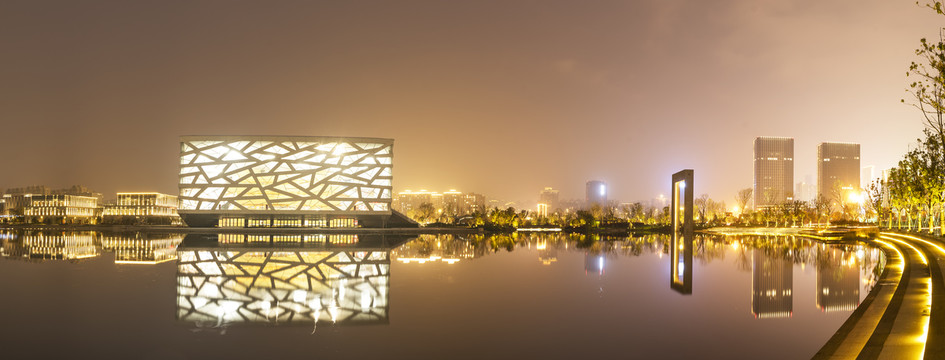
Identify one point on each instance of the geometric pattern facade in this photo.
(277, 174)
(219, 288)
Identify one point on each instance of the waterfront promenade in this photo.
(903, 317)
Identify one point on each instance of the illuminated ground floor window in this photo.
(315, 222)
(231, 222)
(286, 221)
(343, 223)
(287, 239)
(259, 222)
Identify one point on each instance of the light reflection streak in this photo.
(923, 336)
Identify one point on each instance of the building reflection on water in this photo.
(772, 282)
(546, 254)
(142, 248)
(38, 245)
(594, 263)
(318, 278)
(838, 280)
(304, 281)
(445, 248)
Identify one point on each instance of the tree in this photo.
(917, 183)
(742, 198)
(875, 200)
(928, 79)
(584, 218)
(837, 200)
(796, 210)
(702, 207)
(425, 212)
(822, 207)
(716, 210)
(650, 214)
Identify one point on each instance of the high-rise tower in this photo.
(596, 193)
(838, 170)
(774, 171)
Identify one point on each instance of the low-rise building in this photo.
(58, 209)
(41, 204)
(142, 208)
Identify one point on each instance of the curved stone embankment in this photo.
(820, 234)
(903, 316)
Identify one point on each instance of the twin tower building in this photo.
(838, 171)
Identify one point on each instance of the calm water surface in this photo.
(129, 295)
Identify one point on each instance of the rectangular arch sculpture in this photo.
(681, 244)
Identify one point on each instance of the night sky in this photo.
(497, 97)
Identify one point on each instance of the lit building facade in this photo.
(409, 201)
(805, 191)
(286, 181)
(774, 171)
(143, 207)
(596, 193)
(547, 201)
(838, 169)
(61, 209)
(460, 203)
(453, 203)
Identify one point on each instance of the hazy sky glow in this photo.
(498, 97)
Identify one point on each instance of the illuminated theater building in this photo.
(287, 181)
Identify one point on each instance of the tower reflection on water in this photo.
(838, 279)
(772, 282)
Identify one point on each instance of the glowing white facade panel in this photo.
(281, 174)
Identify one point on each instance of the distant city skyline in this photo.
(500, 98)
